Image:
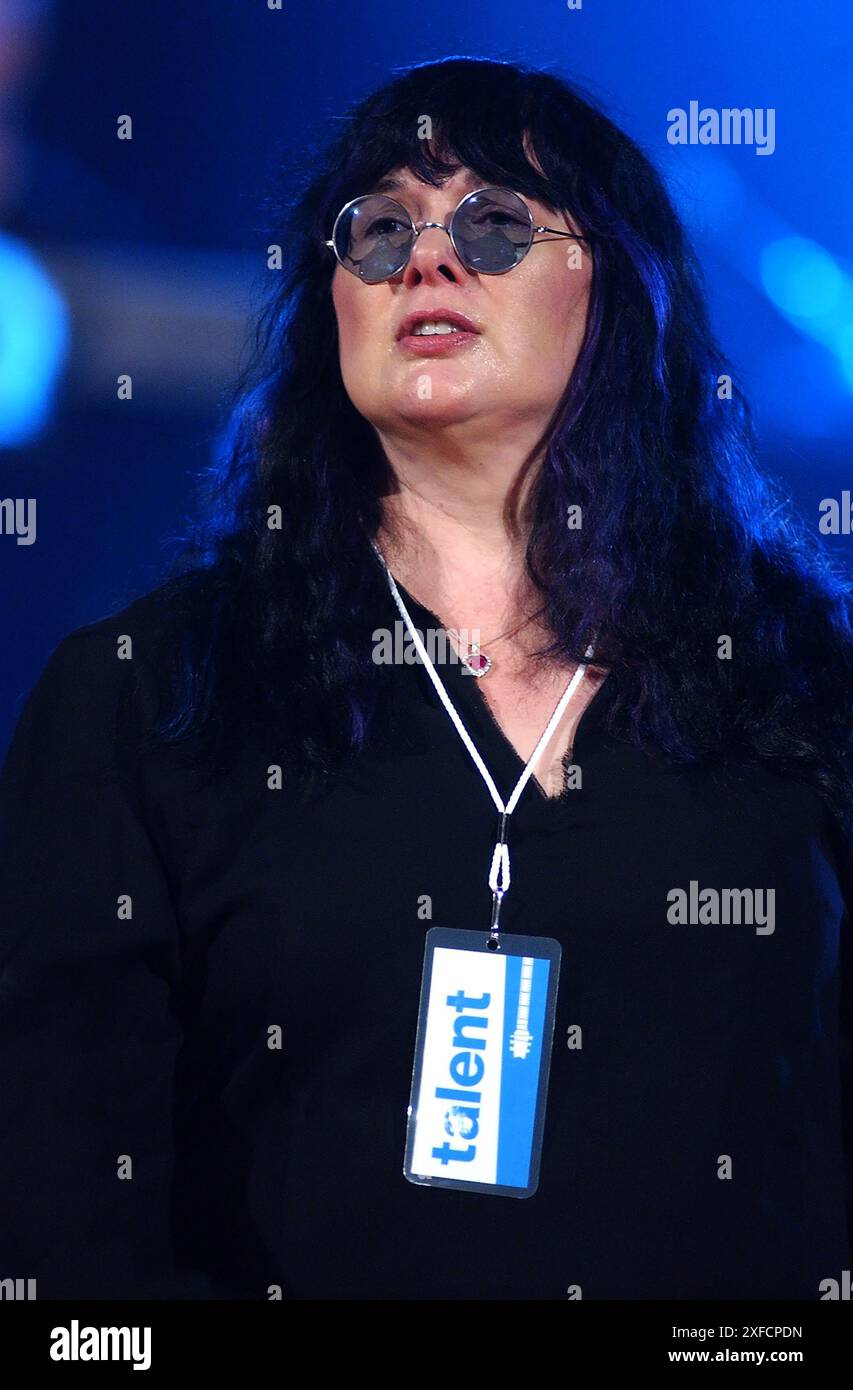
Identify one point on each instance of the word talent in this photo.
(466, 1069)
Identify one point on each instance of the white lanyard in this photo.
(499, 877)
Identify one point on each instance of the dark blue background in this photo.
(157, 244)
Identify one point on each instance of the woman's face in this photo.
(512, 372)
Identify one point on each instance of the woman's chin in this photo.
(433, 397)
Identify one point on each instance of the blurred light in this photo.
(34, 338)
(801, 277)
(803, 281)
(707, 190)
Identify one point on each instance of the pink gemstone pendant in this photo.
(477, 662)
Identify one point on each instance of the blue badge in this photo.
(482, 1058)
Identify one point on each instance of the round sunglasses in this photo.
(491, 231)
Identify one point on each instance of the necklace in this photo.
(475, 659)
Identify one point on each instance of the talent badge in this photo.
(482, 1059)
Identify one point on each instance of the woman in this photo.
(485, 406)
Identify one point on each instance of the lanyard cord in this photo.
(499, 874)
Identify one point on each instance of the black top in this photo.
(694, 1143)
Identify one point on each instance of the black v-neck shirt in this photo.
(160, 934)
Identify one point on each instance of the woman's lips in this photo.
(435, 344)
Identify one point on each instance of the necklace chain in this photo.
(475, 659)
(494, 641)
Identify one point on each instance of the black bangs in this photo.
(462, 112)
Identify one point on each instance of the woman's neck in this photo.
(464, 563)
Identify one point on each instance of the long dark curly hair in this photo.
(683, 541)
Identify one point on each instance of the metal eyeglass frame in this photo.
(417, 228)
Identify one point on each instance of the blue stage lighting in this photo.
(34, 338)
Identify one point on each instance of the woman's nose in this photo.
(433, 255)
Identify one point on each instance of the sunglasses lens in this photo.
(492, 230)
(373, 237)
